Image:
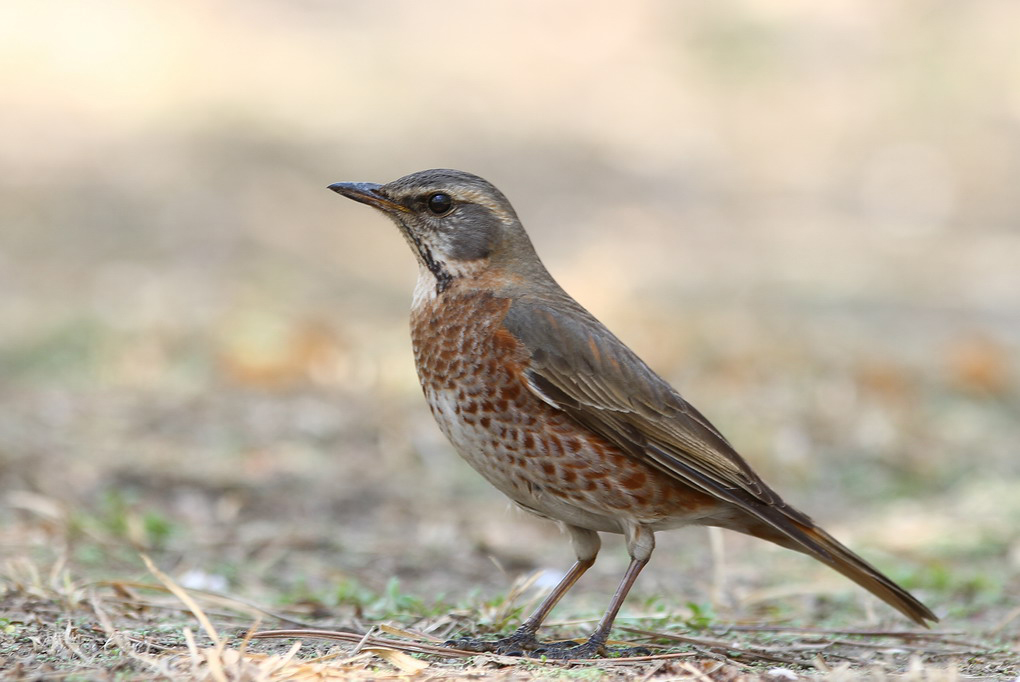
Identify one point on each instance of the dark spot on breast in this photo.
(503, 342)
(634, 480)
(510, 392)
(615, 459)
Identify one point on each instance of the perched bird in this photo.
(557, 413)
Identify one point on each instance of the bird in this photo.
(557, 413)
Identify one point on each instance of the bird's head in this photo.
(457, 223)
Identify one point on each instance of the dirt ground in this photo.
(804, 217)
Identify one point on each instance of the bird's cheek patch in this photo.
(473, 235)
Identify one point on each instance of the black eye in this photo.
(440, 203)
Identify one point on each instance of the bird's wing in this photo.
(580, 367)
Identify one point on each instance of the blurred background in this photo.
(804, 215)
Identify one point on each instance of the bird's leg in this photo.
(586, 546)
(523, 640)
(640, 543)
(595, 644)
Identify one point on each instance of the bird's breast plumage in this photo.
(472, 371)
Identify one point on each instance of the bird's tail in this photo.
(815, 542)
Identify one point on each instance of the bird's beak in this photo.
(367, 193)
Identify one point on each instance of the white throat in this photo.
(424, 288)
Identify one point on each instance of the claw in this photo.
(576, 651)
(521, 643)
(571, 650)
(524, 644)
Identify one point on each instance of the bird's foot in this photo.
(524, 643)
(521, 643)
(590, 648)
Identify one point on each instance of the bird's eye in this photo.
(440, 203)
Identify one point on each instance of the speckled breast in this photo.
(472, 373)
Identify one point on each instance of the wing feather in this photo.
(580, 367)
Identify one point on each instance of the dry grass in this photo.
(118, 630)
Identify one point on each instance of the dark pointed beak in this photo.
(367, 193)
